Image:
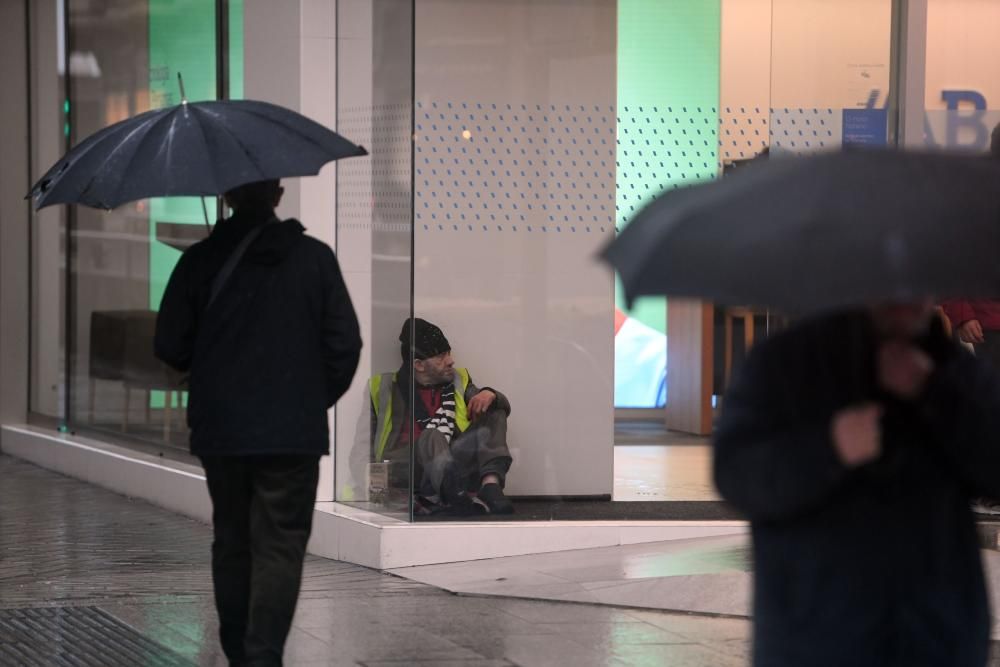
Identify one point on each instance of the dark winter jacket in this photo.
(275, 350)
(877, 565)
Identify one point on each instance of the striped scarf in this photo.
(442, 421)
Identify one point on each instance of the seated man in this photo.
(459, 431)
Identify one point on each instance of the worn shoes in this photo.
(984, 506)
(492, 499)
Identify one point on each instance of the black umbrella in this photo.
(835, 229)
(196, 148)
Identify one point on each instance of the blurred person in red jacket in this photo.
(977, 323)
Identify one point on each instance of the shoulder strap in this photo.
(222, 277)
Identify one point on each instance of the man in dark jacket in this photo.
(853, 443)
(270, 346)
(458, 430)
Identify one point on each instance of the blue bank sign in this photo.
(965, 123)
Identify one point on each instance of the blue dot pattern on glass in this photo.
(518, 168)
(660, 148)
(490, 167)
(801, 131)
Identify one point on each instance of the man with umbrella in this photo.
(269, 351)
(853, 440)
(258, 315)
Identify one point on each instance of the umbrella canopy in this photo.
(824, 231)
(196, 149)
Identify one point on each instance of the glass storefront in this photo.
(508, 142)
(375, 244)
(507, 160)
(961, 81)
(666, 126)
(97, 288)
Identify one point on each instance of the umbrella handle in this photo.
(204, 210)
(180, 82)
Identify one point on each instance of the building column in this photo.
(290, 59)
(14, 212)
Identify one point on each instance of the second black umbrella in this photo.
(823, 231)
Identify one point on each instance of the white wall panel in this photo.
(514, 188)
(291, 60)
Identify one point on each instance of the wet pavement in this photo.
(88, 577)
(707, 576)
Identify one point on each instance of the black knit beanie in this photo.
(429, 341)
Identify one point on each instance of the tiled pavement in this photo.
(66, 544)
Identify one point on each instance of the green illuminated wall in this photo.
(668, 100)
(236, 49)
(182, 39)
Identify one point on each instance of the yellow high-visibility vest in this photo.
(381, 387)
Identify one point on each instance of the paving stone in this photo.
(140, 577)
(77, 636)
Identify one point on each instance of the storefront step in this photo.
(340, 531)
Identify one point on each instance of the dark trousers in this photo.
(262, 509)
(459, 465)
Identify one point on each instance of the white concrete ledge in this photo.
(428, 544)
(173, 485)
(340, 532)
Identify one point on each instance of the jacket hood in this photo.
(270, 247)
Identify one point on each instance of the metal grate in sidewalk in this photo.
(77, 637)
